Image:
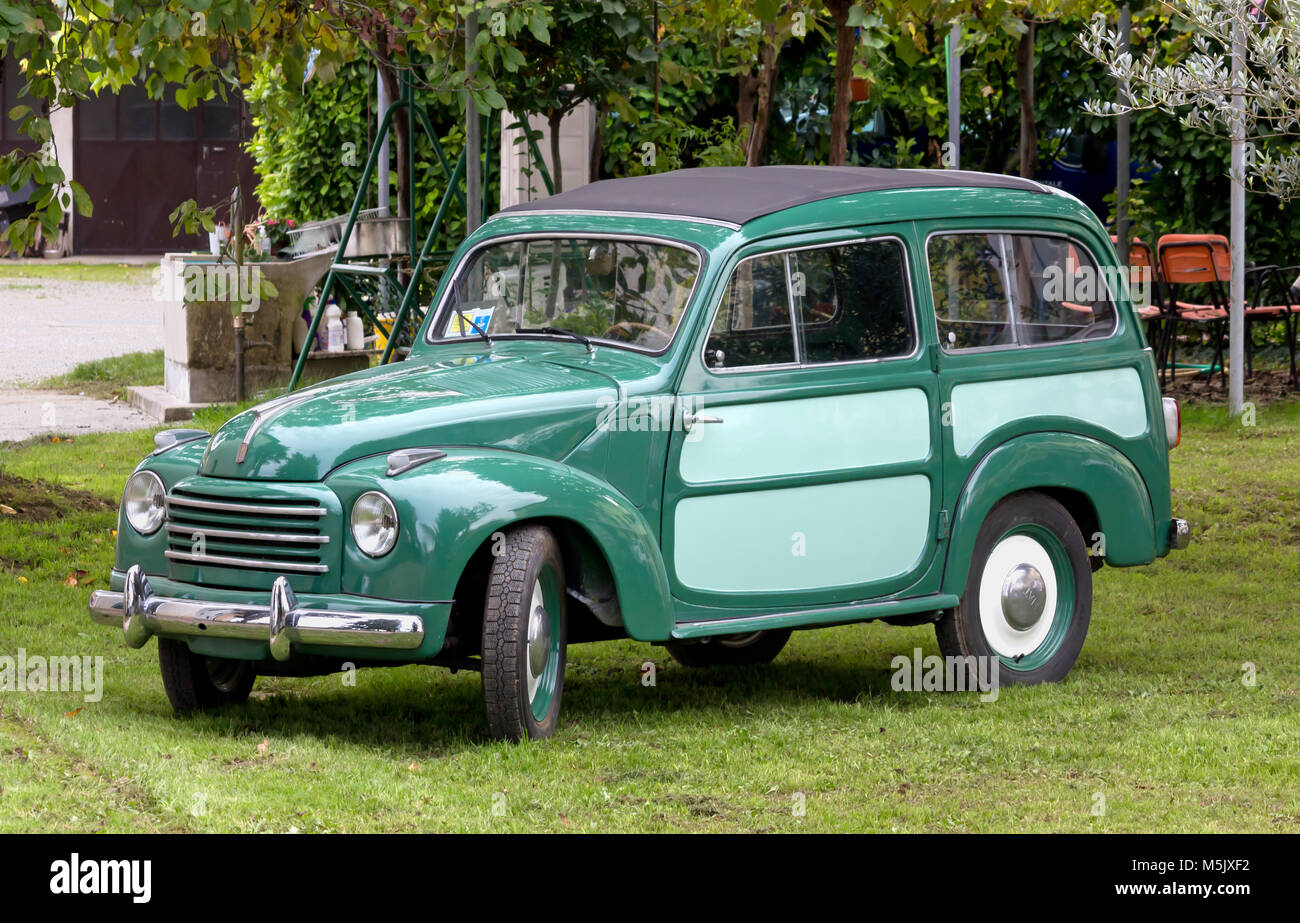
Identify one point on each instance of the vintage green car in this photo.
(700, 409)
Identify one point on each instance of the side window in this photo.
(752, 326)
(851, 302)
(968, 279)
(1007, 289)
(1059, 292)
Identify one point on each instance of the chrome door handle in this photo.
(690, 419)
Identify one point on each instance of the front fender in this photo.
(1068, 461)
(448, 508)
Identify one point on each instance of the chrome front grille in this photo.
(276, 535)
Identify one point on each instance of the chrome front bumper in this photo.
(281, 624)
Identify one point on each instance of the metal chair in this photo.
(1286, 308)
(1201, 260)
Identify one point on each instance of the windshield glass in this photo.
(628, 292)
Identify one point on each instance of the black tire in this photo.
(729, 650)
(194, 682)
(1022, 659)
(529, 564)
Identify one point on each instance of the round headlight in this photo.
(374, 523)
(143, 502)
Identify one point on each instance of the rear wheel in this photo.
(524, 636)
(755, 647)
(193, 681)
(1028, 598)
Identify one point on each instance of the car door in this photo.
(804, 470)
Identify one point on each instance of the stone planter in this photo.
(199, 337)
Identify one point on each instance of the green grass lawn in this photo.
(105, 378)
(124, 273)
(1154, 723)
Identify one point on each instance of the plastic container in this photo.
(355, 331)
(333, 327)
(334, 335)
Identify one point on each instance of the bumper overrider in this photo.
(281, 624)
(1180, 534)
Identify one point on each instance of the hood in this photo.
(520, 403)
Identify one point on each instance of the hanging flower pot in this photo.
(859, 89)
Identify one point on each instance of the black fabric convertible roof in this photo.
(740, 194)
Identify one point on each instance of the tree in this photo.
(590, 52)
(1197, 87)
(757, 86)
(744, 42)
(842, 28)
(200, 49)
(1029, 15)
(908, 28)
(1025, 89)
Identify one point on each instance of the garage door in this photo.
(139, 158)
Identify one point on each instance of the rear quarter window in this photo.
(994, 289)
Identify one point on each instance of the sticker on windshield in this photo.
(469, 322)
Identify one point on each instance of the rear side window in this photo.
(842, 303)
(994, 289)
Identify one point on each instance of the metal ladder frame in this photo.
(339, 268)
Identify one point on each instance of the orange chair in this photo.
(1201, 260)
(1204, 259)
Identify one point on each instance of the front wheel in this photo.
(524, 636)
(1028, 598)
(194, 682)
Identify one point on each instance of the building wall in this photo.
(577, 135)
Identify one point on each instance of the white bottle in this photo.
(356, 331)
(333, 328)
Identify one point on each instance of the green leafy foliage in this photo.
(311, 145)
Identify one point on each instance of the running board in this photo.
(808, 618)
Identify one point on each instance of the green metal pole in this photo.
(418, 267)
(347, 234)
(438, 152)
(408, 93)
(473, 132)
(487, 162)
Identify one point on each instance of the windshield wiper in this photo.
(557, 331)
(467, 324)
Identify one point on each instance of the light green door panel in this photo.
(816, 434)
(803, 538)
(1112, 399)
(820, 484)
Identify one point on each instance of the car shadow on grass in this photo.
(438, 714)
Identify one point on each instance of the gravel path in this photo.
(53, 325)
(27, 412)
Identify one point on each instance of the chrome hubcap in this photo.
(539, 640)
(1017, 596)
(1024, 596)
